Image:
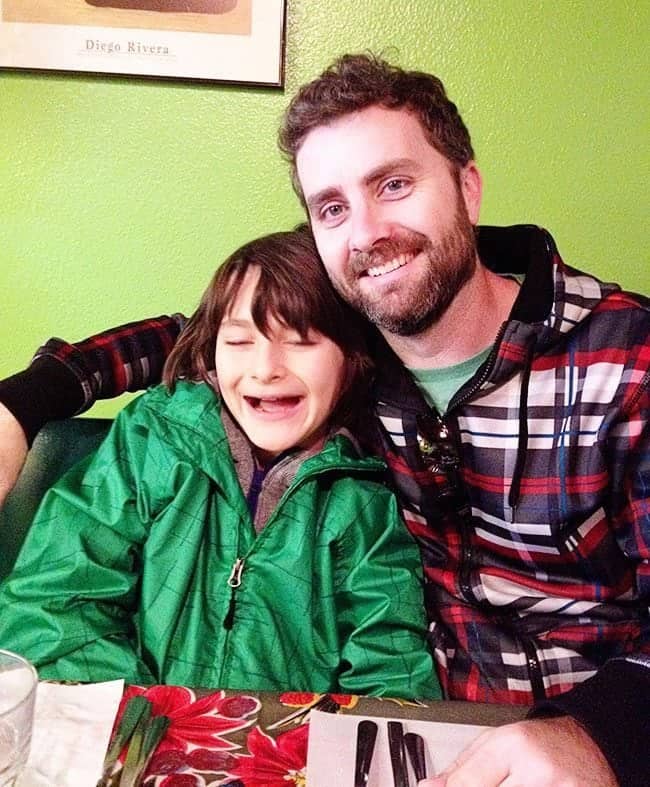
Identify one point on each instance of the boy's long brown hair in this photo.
(293, 288)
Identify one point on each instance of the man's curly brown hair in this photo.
(355, 82)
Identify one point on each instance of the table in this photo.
(247, 739)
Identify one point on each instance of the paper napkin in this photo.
(72, 727)
(332, 748)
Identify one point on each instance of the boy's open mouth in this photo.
(273, 404)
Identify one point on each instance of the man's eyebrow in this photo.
(322, 196)
(377, 173)
(388, 168)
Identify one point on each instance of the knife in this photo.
(397, 755)
(366, 736)
(415, 748)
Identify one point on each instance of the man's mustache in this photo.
(407, 242)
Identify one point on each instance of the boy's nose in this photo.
(269, 362)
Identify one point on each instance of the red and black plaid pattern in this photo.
(128, 358)
(529, 597)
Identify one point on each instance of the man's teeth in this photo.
(389, 266)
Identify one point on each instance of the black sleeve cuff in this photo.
(45, 391)
(614, 707)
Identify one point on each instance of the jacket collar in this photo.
(526, 250)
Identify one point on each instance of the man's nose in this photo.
(368, 225)
(269, 361)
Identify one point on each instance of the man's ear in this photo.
(471, 186)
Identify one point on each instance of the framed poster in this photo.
(213, 40)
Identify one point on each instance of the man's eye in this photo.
(331, 212)
(395, 185)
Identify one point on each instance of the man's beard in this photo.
(410, 311)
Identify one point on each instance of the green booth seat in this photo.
(58, 446)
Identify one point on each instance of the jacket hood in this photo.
(554, 298)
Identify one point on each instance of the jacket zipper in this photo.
(532, 662)
(487, 371)
(466, 563)
(464, 569)
(234, 581)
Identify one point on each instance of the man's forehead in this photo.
(362, 141)
(361, 148)
(376, 120)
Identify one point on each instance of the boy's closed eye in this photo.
(300, 341)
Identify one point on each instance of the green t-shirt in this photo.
(439, 385)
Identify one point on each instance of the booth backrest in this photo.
(58, 446)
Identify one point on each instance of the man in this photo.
(512, 400)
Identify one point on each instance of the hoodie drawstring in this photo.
(522, 440)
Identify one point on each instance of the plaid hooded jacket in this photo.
(529, 498)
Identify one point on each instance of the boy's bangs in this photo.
(228, 292)
(278, 298)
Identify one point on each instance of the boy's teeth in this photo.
(273, 404)
(387, 267)
(270, 405)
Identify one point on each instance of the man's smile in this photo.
(391, 265)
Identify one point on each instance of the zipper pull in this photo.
(234, 581)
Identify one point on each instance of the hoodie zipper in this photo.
(466, 556)
(234, 581)
(487, 370)
(532, 662)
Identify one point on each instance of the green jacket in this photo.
(130, 566)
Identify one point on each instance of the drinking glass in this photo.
(18, 681)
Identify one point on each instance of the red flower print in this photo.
(274, 763)
(195, 723)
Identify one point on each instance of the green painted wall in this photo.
(118, 197)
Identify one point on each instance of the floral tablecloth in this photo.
(244, 739)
